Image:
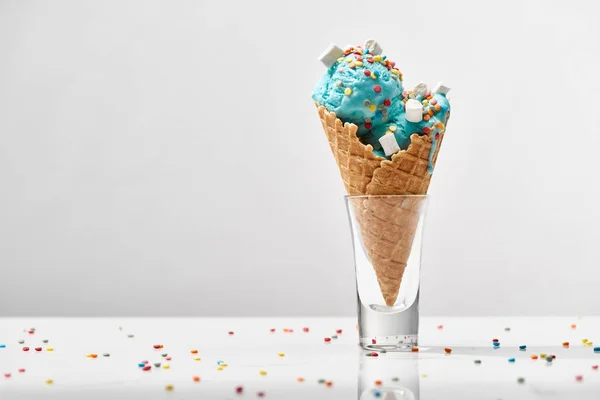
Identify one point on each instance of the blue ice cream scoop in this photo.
(363, 87)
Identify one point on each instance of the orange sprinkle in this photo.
(437, 107)
(196, 379)
(329, 384)
(415, 350)
(426, 117)
(440, 326)
(565, 344)
(447, 350)
(94, 355)
(300, 379)
(534, 357)
(194, 351)
(430, 112)
(573, 326)
(378, 383)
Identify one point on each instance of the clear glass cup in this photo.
(387, 234)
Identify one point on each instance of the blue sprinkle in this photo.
(596, 349)
(377, 393)
(141, 365)
(220, 362)
(384, 57)
(496, 344)
(2, 346)
(511, 360)
(522, 347)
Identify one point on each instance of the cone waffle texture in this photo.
(387, 225)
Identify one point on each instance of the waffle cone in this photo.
(387, 226)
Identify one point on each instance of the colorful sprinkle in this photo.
(141, 364)
(49, 381)
(2, 346)
(300, 379)
(169, 388)
(281, 354)
(25, 348)
(321, 381)
(372, 108)
(373, 341)
(367, 72)
(573, 326)
(166, 366)
(196, 378)
(374, 354)
(522, 347)
(495, 340)
(49, 348)
(377, 89)
(230, 333)
(22, 370)
(549, 358)
(7, 375)
(477, 362)
(21, 341)
(130, 335)
(496, 344)
(329, 384)
(579, 378)
(197, 358)
(260, 394)
(194, 351)
(373, 75)
(305, 330)
(415, 349)
(378, 383)
(596, 349)
(534, 357)
(327, 340)
(164, 355)
(157, 364)
(447, 350)
(262, 372)
(338, 331)
(168, 358)
(273, 329)
(239, 389)
(565, 344)
(595, 367)
(521, 380)
(511, 360)
(347, 92)
(387, 102)
(146, 368)
(507, 329)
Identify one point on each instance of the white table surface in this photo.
(428, 374)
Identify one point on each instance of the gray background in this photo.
(165, 158)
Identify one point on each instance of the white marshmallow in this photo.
(421, 89)
(374, 47)
(440, 88)
(414, 111)
(389, 144)
(330, 55)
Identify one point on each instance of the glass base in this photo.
(387, 343)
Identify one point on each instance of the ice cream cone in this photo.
(387, 227)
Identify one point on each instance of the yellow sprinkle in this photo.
(358, 63)
(373, 75)
(543, 355)
(88, 355)
(197, 358)
(340, 59)
(425, 102)
(390, 132)
(584, 340)
(377, 58)
(395, 72)
(169, 388)
(50, 349)
(349, 59)
(372, 108)
(280, 354)
(166, 366)
(49, 381)
(348, 91)
(263, 372)
(392, 128)
(224, 365)
(219, 368)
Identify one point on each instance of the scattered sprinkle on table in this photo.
(272, 330)
(146, 368)
(378, 383)
(300, 379)
(130, 335)
(164, 354)
(579, 378)
(7, 374)
(447, 350)
(511, 360)
(329, 384)
(522, 347)
(156, 346)
(168, 358)
(22, 370)
(194, 351)
(565, 344)
(49, 381)
(25, 348)
(596, 349)
(169, 388)
(2, 346)
(196, 378)
(50, 349)
(377, 393)
(239, 389)
(21, 341)
(477, 362)
(141, 364)
(507, 329)
(543, 355)
(395, 379)
(106, 354)
(496, 345)
(166, 366)
(260, 394)
(263, 372)
(549, 358)
(521, 380)
(415, 349)
(45, 341)
(374, 354)
(157, 364)
(594, 367)
(534, 357)
(440, 327)
(230, 333)
(197, 358)
(306, 329)
(573, 326)
(327, 340)
(281, 354)
(321, 381)
(338, 331)
(334, 337)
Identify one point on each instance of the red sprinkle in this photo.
(373, 354)
(239, 389)
(377, 89)
(260, 394)
(370, 60)
(143, 362)
(579, 378)
(439, 326)
(338, 331)
(495, 340)
(378, 383)
(327, 340)
(426, 131)
(306, 329)
(387, 102)
(329, 384)
(272, 330)
(595, 367)
(7, 375)
(368, 125)
(168, 358)
(25, 348)
(31, 332)
(21, 370)
(393, 63)
(38, 349)
(553, 356)
(147, 368)
(157, 346)
(415, 349)
(447, 350)
(367, 72)
(231, 332)
(437, 136)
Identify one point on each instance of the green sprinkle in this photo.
(45, 341)
(21, 341)
(164, 354)
(157, 365)
(321, 381)
(130, 335)
(383, 351)
(106, 354)
(477, 362)
(507, 329)
(549, 358)
(334, 337)
(395, 379)
(521, 380)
